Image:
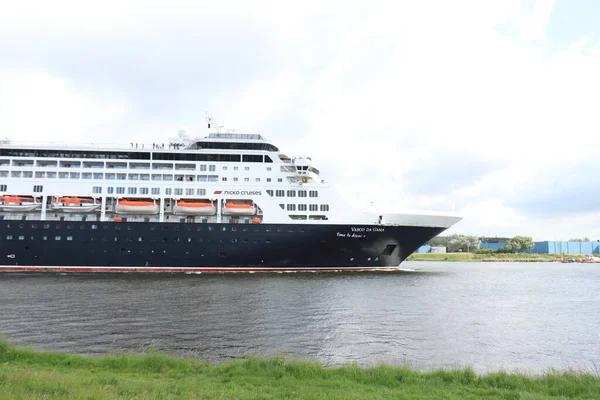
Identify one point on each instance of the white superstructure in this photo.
(224, 177)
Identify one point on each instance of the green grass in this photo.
(29, 374)
(466, 257)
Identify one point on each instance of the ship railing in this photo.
(95, 145)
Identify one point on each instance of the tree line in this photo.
(471, 244)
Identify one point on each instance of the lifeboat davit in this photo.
(238, 209)
(194, 208)
(17, 203)
(136, 207)
(75, 204)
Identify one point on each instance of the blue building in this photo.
(566, 247)
(546, 247)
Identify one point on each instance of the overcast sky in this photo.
(490, 108)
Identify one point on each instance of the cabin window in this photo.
(279, 180)
(257, 179)
(301, 207)
(268, 179)
(168, 191)
(301, 193)
(131, 190)
(56, 237)
(224, 168)
(324, 207)
(235, 168)
(201, 192)
(143, 190)
(235, 179)
(203, 168)
(120, 190)
(291, 207)
(252, 158)
(268, 168)
(155, 190)
(96, 189)
(69, 238)
(224, 179)
(110, 190)
(246, 179)
(38, 188)
(313, 207)
(178, 191)
(279, 193)
(291, 193)
(313, 193)
(212, 168)
(2, 188)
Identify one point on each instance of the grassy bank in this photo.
(28, 374)
(521, 257)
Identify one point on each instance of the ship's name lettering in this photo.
(243, 192)
(356, 229)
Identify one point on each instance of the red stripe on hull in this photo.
(186, 270)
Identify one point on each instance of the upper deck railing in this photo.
(238, 136)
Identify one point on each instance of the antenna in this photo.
(211, 121)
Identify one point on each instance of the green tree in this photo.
(520, 244)
(456, 242)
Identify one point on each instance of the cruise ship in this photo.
(227, 202)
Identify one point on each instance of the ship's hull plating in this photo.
(169, 247)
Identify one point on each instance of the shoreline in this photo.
(499, 257)
(26, 373)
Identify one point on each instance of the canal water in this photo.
(490, 316)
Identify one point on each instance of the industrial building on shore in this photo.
(544, 247)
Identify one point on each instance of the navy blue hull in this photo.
(53, 245)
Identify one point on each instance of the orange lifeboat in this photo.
(194, 207)
(136, 207)
(19, 203)
(75, 204)
(232, 208)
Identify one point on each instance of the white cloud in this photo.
(35, 106)
(376, 94)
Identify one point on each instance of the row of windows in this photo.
(169, 191)
(165, 227)
(234, 146)
(130, 155)
(153, 191)
(236, 179)
(303, 207)
(114, 165)
(292, 193)
(176, 239)
(128, 239)
(132, 177)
